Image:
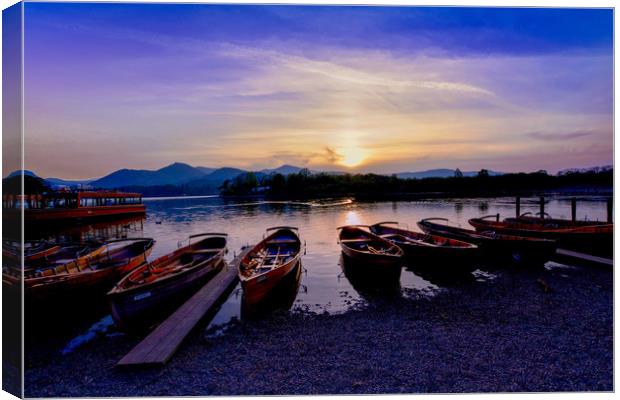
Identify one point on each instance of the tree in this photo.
(483, 173)
(277, 183)
(458, 173)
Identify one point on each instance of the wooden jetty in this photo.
(574, 257)
(161, 344)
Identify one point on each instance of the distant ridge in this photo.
(440, 173)
(173, 174)
(283, 169)
(182, 174)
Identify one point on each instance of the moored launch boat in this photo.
(158, 285)
(99, 268)
(493, 245)
(591, 239)
(269, 262)
(71, 206)
(420, 248)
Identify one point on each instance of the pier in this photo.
(161, 344)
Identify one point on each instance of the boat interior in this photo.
(278, 250)
(357, 239)
(115, 253)
(183, 259)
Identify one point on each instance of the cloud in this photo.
(553, 137)
(331, 155)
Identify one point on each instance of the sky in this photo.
(363, 89)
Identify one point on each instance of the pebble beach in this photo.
(524, 330)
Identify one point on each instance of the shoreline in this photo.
(506, 334)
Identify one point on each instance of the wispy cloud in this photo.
(552, 137)
(312, 89)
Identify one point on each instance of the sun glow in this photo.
(352, 156)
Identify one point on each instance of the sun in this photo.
(352, 156)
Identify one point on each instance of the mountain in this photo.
(63, 182)
(221, 174)
(17, 172)
(205, 170)
(173, 174)
(283, 169)
(439, 173)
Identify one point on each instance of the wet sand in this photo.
(530, 330)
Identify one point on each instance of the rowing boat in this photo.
(88, 273)
(551, 223)
(420, 248)
(517, 249)
(591, 239)
(158, 286)
(268, 263)
(41, 254)
(363, 246)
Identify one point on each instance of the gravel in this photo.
(511, 333)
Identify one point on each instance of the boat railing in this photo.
(446, 220)
(435, 219)
(352, 226)
(189, 238)
(387, 223)
(496, 216)
(273, 228)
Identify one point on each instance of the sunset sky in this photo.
(380, 89)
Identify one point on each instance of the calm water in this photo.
(324, 288)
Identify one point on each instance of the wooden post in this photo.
(573, 209)
(542, 207)
(518, 204)
(610, 208)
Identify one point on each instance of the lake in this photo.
(323, 288)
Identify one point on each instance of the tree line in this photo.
(372, 186)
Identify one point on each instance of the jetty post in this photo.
(518, 206)
(542, 206)
(610, 209)
(573, 209)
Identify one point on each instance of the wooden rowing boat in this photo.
(517, 249)
(281, 297)
(156, 287)
(551, 223)
(33, 250)
(269, 261)
(369, 260)
(38, 254)
(96, 270)
(422, 248)
(591, 239)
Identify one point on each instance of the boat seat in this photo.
(279, 255)
(354, 240)
(206, 251)
(281, 241)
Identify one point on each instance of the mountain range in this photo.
(185, 174)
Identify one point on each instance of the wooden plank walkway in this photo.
(569, 255)
(161, 344)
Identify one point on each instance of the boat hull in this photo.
(257, 287)
(50, 215)
(442, 252)
(256, 290)
(595, 239)
(144, 305)
(89, 282)
(367, 277)
(498, 248)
